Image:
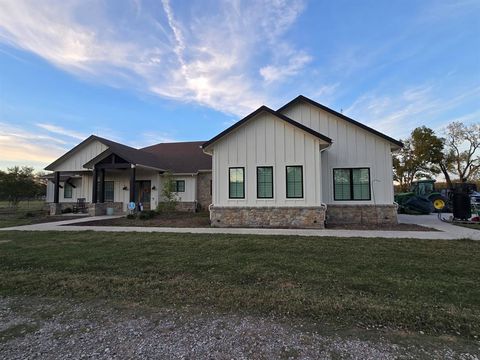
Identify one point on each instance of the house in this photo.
(300, 165)
(123, 174)
(293, 167)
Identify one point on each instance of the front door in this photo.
(142, 193)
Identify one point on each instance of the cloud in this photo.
(208, 55)
(398, 113)
(295, 64)
(62, 131)
(22, 146)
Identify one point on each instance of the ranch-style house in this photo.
(298, 166)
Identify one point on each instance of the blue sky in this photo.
(146, 71)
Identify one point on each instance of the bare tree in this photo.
(462, 150)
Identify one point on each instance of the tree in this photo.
(19, 183)
(463, 150)
(170, 199)
(420, 156)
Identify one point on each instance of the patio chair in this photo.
(81, 206)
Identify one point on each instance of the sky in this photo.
(147, 71)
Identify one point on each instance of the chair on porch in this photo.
(81, 206)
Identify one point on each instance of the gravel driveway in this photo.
(53, 329)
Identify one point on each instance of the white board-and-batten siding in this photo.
(267, 141)
(75, 161)
(352, 147)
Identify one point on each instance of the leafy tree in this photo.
(170, 199)
(19, 183)
(420, 156)
(463, 150)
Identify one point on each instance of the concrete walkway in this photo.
(446, 231)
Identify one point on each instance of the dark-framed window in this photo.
(294, 175)
(351, 184)
(109, 191)
(179, 185)
(236, 183)
(67, 191)
(265, 182)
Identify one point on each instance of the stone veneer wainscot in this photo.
(268, 217)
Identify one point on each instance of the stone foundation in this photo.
(97, 209)
(186, 206)
(204, 194)
(362, 214)
(55, 208)
(268, 217)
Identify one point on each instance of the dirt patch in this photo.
(180, 220)
(382, 227)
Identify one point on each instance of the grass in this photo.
(27, 212)
(470, 226)
(410, 285)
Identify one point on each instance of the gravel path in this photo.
(53, 329)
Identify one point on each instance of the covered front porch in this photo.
(108, 187)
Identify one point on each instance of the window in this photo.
(109, 193)
(179, 185)
(236, 183)
(264, 182)
(351, 184)
(67, 191)
(294, 182)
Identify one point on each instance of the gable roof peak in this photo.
(303, 98)
(277, 114)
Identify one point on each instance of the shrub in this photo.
(147, 214)
(67, 210)
(131, 216)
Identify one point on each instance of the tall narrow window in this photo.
(109, 191)
(179, 185)
(67, 191)
(264, 182)
(294, 182)
(236, 183)
(351, 184)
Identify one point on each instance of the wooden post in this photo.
(56, 192)
(101, 195)
(132, 184)
(94, 185)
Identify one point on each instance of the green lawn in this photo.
(27, 212)
(470, 226)
(424, 285)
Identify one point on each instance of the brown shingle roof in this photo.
(181, 157)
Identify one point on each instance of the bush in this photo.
(29, 214)
(67, 210)
(146, 215)
(131, 216)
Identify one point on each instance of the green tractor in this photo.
(421, 199)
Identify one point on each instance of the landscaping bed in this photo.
(174, 219)
(427, 286)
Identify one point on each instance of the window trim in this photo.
(176, 186)
(265, 197)
(351, 184)
(71, 190)
(286, 182)
(229, 193)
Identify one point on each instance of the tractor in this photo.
(421, 199)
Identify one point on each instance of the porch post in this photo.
(56, 191)
(94, 185)
(101, 196)
(132, 183)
